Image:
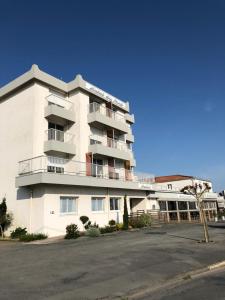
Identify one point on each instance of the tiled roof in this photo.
(167, 178)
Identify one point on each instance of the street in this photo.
(110, 267)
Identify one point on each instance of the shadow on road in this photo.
(184, 237)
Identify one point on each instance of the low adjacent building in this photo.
(177, 206)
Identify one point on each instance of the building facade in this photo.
(66, 151)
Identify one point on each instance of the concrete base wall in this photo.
(44, 207)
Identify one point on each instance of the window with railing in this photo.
(53, 164)
(58, 135)
(59, 101)
(102, 109)
(109, 142)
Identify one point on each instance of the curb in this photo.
(217, 265)
(177, 280)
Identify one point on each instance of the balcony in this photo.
(55, 170)
(101, 116)
(129, 118)
(130, 138)
(59, 141)
(59, 108)
(112, 148)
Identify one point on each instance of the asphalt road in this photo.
(205, 287)
(107, 267)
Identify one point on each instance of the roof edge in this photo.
(33, 73)
(36, 74)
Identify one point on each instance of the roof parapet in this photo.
(36, 74)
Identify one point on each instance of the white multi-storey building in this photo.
(65, 151)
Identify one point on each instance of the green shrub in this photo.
(119, 226)
(140, 222)
(5, 217)
(135, 223)
(107, 229)
(112, 223)
(18, 232)
(146, 219)
(94, 225)
(93, 232)
(87, 225)
(72, 232)
(32, 237)
(84, 219)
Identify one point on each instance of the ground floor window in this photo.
(182, 205)
(192, 205)
(114, 203)
(68, 205)
(97, 204)
(172, 205)
(162, 205)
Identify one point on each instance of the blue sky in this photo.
(166, 57)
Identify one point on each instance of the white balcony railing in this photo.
(58, 135)
(96, 107)
(145, 178)
(51, 164)
(109, 142)
(59, 101)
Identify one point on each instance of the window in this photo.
(55, 164)
(182, 205)
(169, 186)
(53, 169)
(192, 205)
(162, 205)
(97, 204)
(68, 205)
(114, 203)
(172, 205)
(55, 132)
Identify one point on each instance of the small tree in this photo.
(85, 221)
(5, 218)
(125, 214)
(198, 191)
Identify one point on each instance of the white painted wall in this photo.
(16, 143)
(179, 184)
(55, 224)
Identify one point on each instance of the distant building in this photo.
(221, 200)
(177, 206)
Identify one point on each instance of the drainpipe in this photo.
(108, 202)
(31, 206)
